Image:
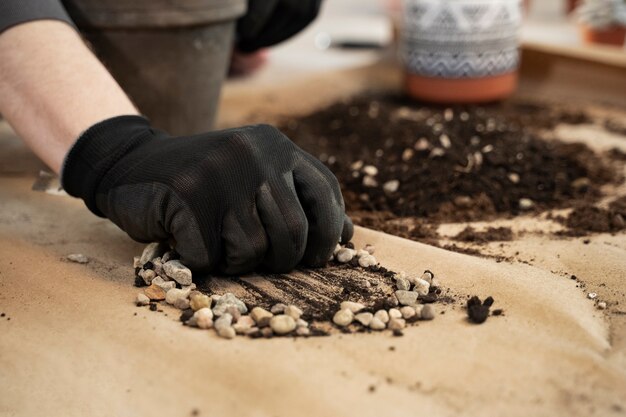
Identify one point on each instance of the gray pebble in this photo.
(282, 324)
(178, 272)
(147, 275)
(225, 320)
(228, 300)
(79, 258)
(428, 277)
(151, 251)
(178, 297)
(428, 312)
(343, 317)
(382, 315)
(406, 298)
(403, 284)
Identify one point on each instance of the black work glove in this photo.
(269, 22)
(236, 199)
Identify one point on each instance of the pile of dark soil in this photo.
(587, 219)
(447, 164)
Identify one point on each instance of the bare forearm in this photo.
(52, 88)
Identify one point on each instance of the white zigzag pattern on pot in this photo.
(461, 38)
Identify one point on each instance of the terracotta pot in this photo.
(611, 36)
(461, 51)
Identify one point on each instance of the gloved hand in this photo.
(235, 199)
(269, 22)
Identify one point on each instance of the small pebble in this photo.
(278, 308)
(178, 272)
(233, 311)
(428, 276)
(435, 283)
(345, 255)
(364, 318)
(282, 324)
(369, 249)
(155, 293)
(223, 326)
(370, 170)
(343, 317)
(226, 301)
(602, 305)
(293, 311)
(151, 251)
(79, 258)
(302, 323)
(422, 287)
(406, 298)
(367, 261)
(394, 313)
(369, 181)
(174, 295)
(267, 332)
(403, 284)
(407, 312)
(445, 141)
(203, 318)
(382, 315)
(147, 275)
(377, 324)
(407, 154)
(391, 186)
(337, 249)
(142, 300)
(261, 316)
(428, 312)
(198, 300)
(303, 331)
(526, 203)
(396, 324)
(391, 301)
(227, 333)
(592, 295)
(137, 262)
(244, 324)
(352, 306)
(418, 310)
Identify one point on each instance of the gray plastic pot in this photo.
(171, 57)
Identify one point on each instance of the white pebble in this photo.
(343, 317)
(303, 331)
(366, 261)
(229, 300)
(345, 255)
(147, 275)
(293, 311)
(137, 262)
(369, 249)
(370, 170)
(394, 313)
(526, 203)
(382, 315)
(403, 284)
(377, 324)
(352, 306)
(337, 249)
(278, 308)
(445, 141)
(174, 295)
(406, 298)
(203, 318)
(178, 272)
(592, 295)
(428, 276)
(369, 181)
(364, 318)
(407, 312)
(79, 258)
(226, 320)
(151, 251)
(282, 324)
(165, 285)
(302, 323)
(227, 333)
(422, 287)
(244, 324)
(602, 305)
(391, 186)
(142, 300)
(396, 324)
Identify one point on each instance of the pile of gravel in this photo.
(167, 280)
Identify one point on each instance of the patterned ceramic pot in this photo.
(460, 51)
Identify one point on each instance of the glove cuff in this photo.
(97, 150)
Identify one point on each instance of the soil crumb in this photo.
(491, 234)
(478, 311)
(404, 166)
(587, 219)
